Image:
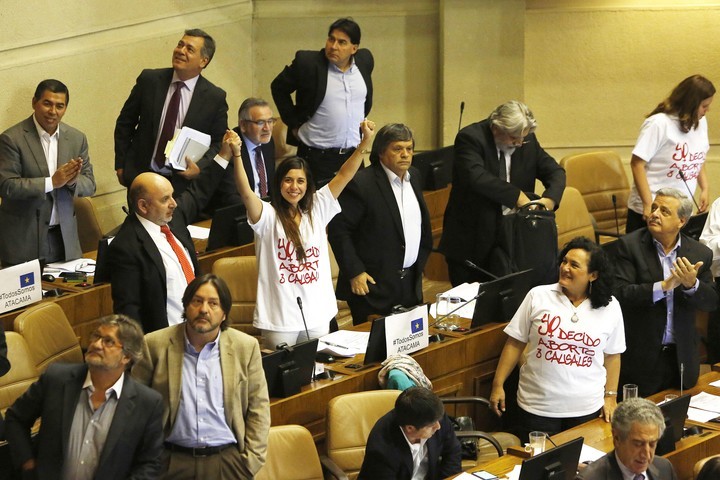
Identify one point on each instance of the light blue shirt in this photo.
(200, 420)
(666, 261)
(336, 123)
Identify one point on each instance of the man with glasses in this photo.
(255, 127)
(97, 422)
(497, 162)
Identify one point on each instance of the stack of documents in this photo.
(705, 407)
(344, 343)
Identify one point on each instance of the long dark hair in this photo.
(283, 208)
(685, 99)
(601, 288)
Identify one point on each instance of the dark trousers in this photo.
(529, 422)
(324, 164)
(634, 222)
(666, 374)
(460, 273)
(361, 308)
(56, 247)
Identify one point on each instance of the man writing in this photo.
(333, 94)
(97, 422)
(217, 412)
(164, 100)
(662, 279)
(44, 164)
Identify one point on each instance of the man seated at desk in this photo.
(637, 425)
(414, 440)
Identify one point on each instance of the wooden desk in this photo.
(703, 385)
(460, 365)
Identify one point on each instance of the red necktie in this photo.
(260, 165)
(168, 128)
(179, 253)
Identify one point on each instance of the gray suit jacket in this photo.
(245, 395)
(607, 468)
(134, 441)
(25, 209)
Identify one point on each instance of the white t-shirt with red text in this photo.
(564, 373)
(667, 151)
(282, 279)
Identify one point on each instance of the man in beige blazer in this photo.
(217, 412)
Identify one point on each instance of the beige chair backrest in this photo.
(573, 218)
(49, 336)
(241, 276)
(89, 230)
(22, 371)
(291, 455)
(349, 419)
(701, 463)
(598, 176)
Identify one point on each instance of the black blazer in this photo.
(134, 442)
(367, 236)
(637, 268)
(388, 457)
(227, 193)
(137, 274)
(137, 126)
(474, 210)
(607, 468)
(307, 77)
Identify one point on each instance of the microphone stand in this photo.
(307, 332)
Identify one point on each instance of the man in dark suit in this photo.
(662, 279)
(418, 419)
(143, 127)
(147, 272)
(97, 422)
(382, 237)
(637, 425)
(496, 162)
(255, 127)
(44, 164)
(333, 94)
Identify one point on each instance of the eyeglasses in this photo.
(107, 342)
(261, 123)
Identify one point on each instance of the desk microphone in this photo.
(462, 109)
(307, 332)
(617, 223)
(470, 264)
(439, 319)
(682, 175)
(682, 371)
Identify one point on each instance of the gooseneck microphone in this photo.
(682, 175)
(307, 332)
(462, 109)
(470, 264)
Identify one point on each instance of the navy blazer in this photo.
(135, 266)
(607, 468)
(367, 236)
(134, 441)
(388, 457)
(637, 269)
(307, 78)
(474, 211)
(138, 123)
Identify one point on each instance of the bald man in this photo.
(152, 259)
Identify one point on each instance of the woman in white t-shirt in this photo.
(673, 144)
(569, 336)
(294, 277)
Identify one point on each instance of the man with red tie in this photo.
(152, 259)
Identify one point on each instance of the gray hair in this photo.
(130, 334)
(513, 118)
(247, 104)
(637, 410)
(686, 204)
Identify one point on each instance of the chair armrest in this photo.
(331, 467)
(485, 436)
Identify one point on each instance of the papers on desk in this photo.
(464, 291)
(198, 233)
(590, 454)
(704, 407)
(84, 265)
(716, 383)
(187, 143)
(344, 343)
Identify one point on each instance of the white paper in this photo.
(716, 383)
(515, 473)
(590, 454)
(407, 332)
(187, 142)
(706, 401)
(464, 291)
(344, 343)
(198, 233)
(702, 416)
(85, 265)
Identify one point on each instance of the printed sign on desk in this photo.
(20, 286)
(407, 332)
